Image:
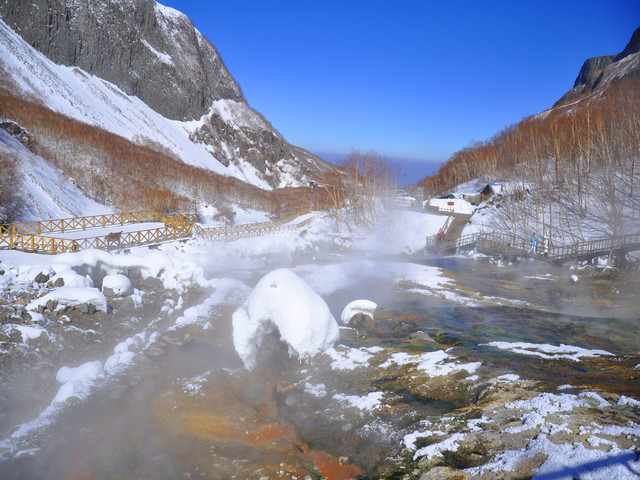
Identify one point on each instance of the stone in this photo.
(41, 278)
(348, 334)
(445, 473)
(51, 305)
(152, 283)
(86, 308)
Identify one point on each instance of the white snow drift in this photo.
(283, 302)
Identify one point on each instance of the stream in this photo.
(186, 408)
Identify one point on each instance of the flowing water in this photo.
(187, 409)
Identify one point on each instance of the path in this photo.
(136, 229)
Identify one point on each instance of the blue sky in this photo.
(412, 80)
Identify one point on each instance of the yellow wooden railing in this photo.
(28, 236)
(247, 230)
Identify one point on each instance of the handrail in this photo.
(179, 226)
(503, 243)
(247, 230)
(62, 225)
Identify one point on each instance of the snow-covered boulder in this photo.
(70, 278)
(116, 285)
(283, 304)
(364, 307)
(71, 297)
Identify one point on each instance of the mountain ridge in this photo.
(605, 70)
(218, 131)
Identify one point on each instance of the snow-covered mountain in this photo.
(156, 82)
(597, 73)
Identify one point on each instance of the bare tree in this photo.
(11, 199)
(370, 184)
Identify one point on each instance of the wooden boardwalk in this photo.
(29, 236)
(508, 246)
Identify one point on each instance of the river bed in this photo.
(450, 376)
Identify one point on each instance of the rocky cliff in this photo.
(607, 69)
(155, 53)
(150, 51)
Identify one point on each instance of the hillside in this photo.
(566, 168)
(171, 96)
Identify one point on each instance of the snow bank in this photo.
(283, 302)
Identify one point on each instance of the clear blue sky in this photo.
(409, 79)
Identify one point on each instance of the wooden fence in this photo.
(248, 230)
(496, 243)
(25, 236)
(28, 236)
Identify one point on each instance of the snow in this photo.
(72, 279)
(455, 205)
(435, 364)
(347, 358)
(92, 100)
(568, 461)
(70, 297)
(435, 450)
(77, 382)
(283, 302)
(29, 332)
(119, 284)
(549, 351)
(370, 401)
(546, 404)
(365, 307)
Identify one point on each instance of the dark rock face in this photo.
(591, 70)
(598, 70)
(150, 51)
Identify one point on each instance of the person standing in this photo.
(545, 244)
(532, 248)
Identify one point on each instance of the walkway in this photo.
(124, 230)
(500, 244)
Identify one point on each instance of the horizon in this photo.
(437, 81)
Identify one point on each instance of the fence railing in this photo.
(504, 243)
(138, 238)
(248, 230)
(28, 236)
(22, 236)
(81, 223)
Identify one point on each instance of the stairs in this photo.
(453, 232)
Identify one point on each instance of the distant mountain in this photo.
(599, 72)
(141, 71)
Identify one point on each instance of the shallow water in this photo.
(190, 410)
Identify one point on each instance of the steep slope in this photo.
(46, 192)
(600, 72)
(149, 51)
(156, 81)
